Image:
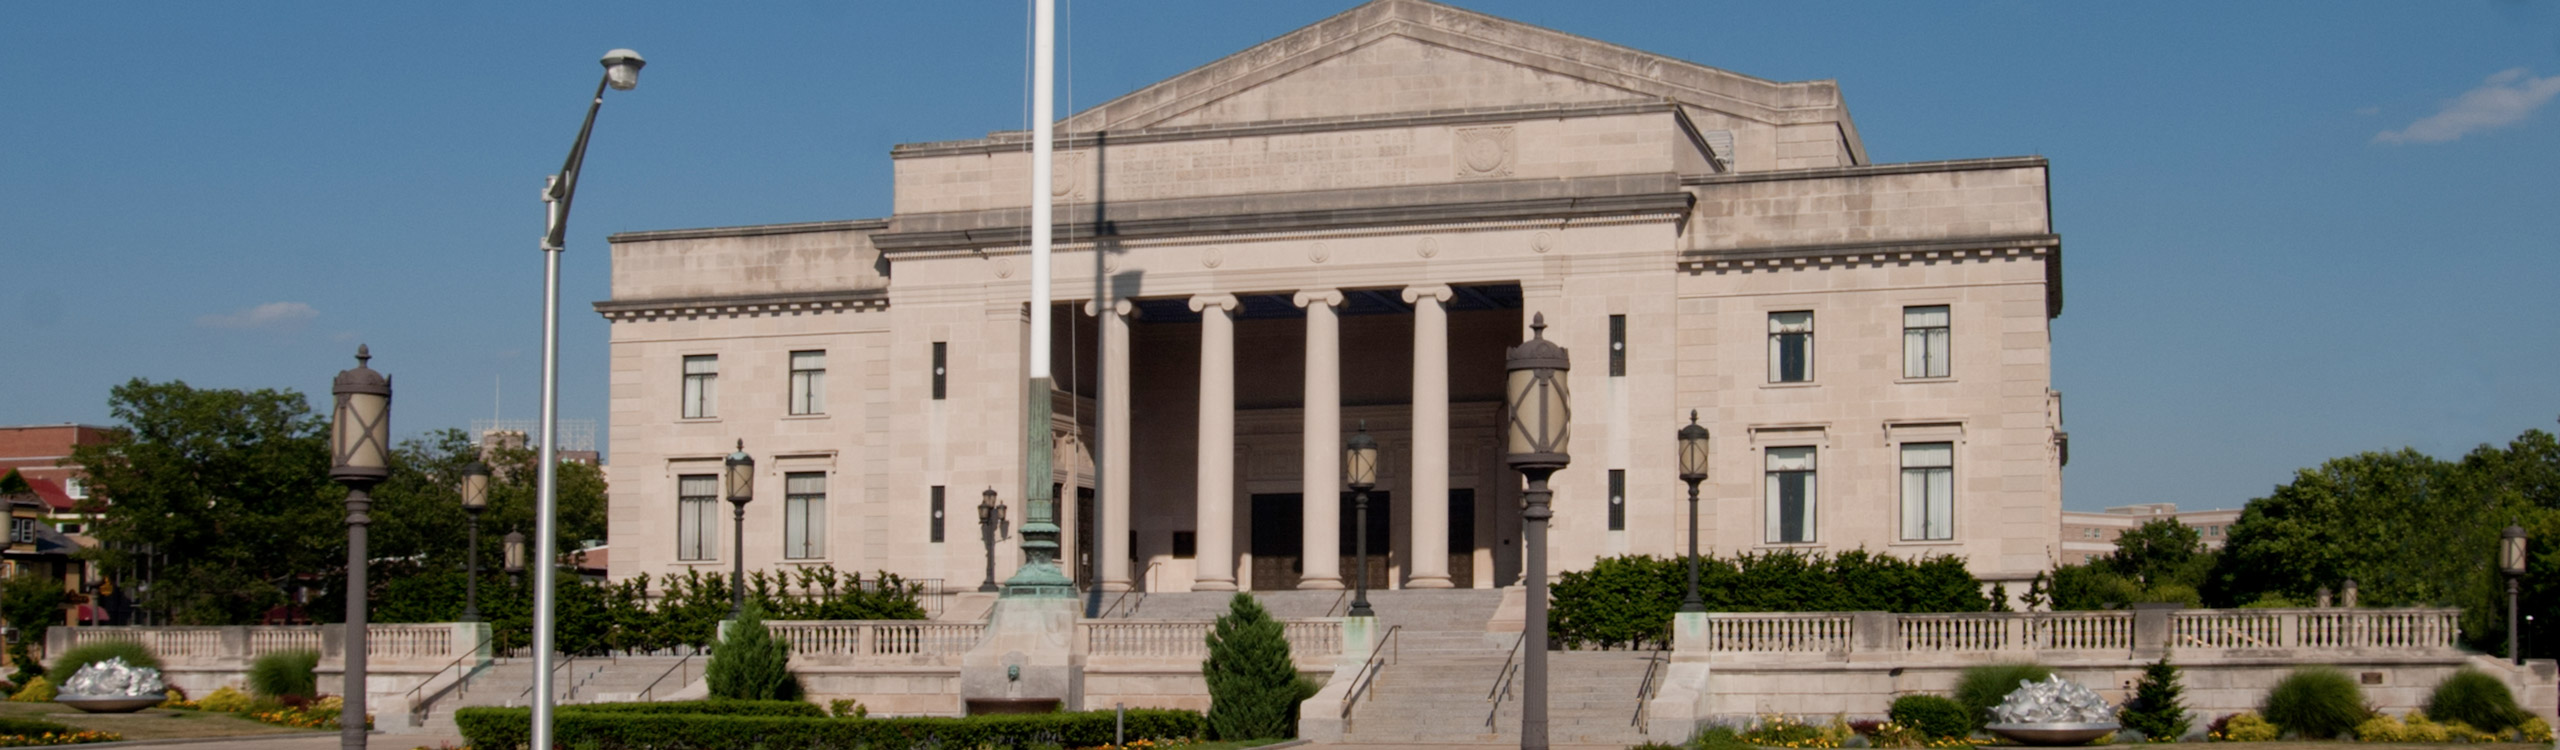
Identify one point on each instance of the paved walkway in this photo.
(379, 741)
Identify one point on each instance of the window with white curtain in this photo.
(1791, 495)
(1791, 347)
(1928, 491)
(701, 385)
(1924, 342)
(804, 515)
(697, 516)
(809, 382)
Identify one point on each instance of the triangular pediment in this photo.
(1391, 57)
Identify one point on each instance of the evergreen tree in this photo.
(1251, 677)
(749, 664)
(2155, 710)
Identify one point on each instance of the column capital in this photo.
(1121, 306)
(1224, 302)
(1437, 293)
(1330, 297)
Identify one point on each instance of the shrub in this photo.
(1980, 688)
(2155, 710)
(71, 660)
(749, 664)
(1718, 737)
(1630, 600)
(712, 707)
(1932, 716)
(2316, 702)
(226, 699)
(2246, 727)
(2477, 699)
(31, 727)
(1252, 681)
(2382, 728)
(576, 727)
(1780, 730)
(2533, 730)
(31, 603)
(285, 673)
(38, 690)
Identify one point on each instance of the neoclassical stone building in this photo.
(1345, 226)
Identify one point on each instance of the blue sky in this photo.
(2292, 230)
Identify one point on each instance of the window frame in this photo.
(700, 392)
(702, 514)
(1803, 342)
(808, 384)
(1936, 344)
(799, 520)
(1773, 508)
(1937, 501)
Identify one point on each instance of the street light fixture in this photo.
(360, 456)
(1693, 469)
(621, 72)
(1540, 424)
(742, 488)
(514, 554)
(2511, 559)
(990, 515)
(475, 498)
(1360, 466)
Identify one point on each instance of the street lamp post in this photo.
(1693, 469)
(360, 456)
(2511, 545)
(741, 483)
(1540, 423)
(513, 553)
(475, 498)
(1360, 466)
(990, 516)
(621, 72)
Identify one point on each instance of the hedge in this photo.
(1630, 600)
(510, 729)
(712, 707)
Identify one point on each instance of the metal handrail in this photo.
(1339, 602)
(662, 676)
(1655, 664)
(563, 664)
(1502, 680)
(1369, 669)
(1124, 595)
(416, 702)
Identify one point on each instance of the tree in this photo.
(1250, 674)
(224, 494)
(32, 603)
(420, 533)
(2159, 551)
(749, 664)
(2155, 710)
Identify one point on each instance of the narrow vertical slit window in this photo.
(1928, 491)
(804, 515)
(1791, 495)
(937, 514)
(701, 385)
(1617, 499)
(1924, 342)
(809, 382)
(697, 516)
(1791, 347)
(1617, 346)
(941, 359)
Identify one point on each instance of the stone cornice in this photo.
(1017, 141)
(2045, 246)
(1868, 170)
(1324, 210)
(744, 305)
(757, 230)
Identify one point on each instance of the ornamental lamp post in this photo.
(513, 552)
(1541, 421)
(741, 483)
(1693, 469)
(1360, 467)
(2511, 560)
(475, 498)
(360, 456)
(990, 516)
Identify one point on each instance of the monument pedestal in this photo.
(1026, 662)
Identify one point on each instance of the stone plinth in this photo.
(1027, 654)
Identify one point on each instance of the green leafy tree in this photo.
(750, 664)
(13, 484)
(2159, 551)
(421, 536)
(32, 603)
(224, 494)
(2155, 710)
(1252, 680)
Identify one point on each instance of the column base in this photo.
(1429, 582)
(1212, 584)
(1321, 584)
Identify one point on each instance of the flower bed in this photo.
(613, 729)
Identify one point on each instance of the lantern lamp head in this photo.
(1693, 450)
(475, 487)
(1360, 459)
(990, 509)
(514, 551)
(1540, 404)
(741, 480)
(622, 69)
(360, 424)
(2511, 551)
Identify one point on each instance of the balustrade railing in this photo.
(226, 646)
(865, 639)
(1787, 632)
(1316, 638)
(2407, 630)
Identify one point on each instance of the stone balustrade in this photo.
(399, 656)
(1312, 641)
(1850, 635)
(877, 641)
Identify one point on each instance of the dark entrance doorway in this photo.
(1277, 530)
(1084, 563)
(1462, 538)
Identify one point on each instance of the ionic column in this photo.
(1216, 483)
(1320, 480)
(1429, 568)
(1113, 533)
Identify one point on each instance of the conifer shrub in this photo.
(72, 659)
(2155, 710)
(285, 673)
(1933, 716)
(2316, 702)
(2477, 699)
(1980, 688)
(749, 663)
(1253, 684)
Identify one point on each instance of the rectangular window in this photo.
(1928, 491)
(22, 530)
(1617, 346)
(1186, 545)
(701, 385)
(804, 515)
(1924, 342)
(809, 382)
(1791, 495)
(1617, 499)
(937, 514)
(697, 516)
(78, 490)
(1791, 347)
(941, 359)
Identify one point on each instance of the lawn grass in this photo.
(148, 724)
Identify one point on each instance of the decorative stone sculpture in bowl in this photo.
(2053, 712)
(113, 687)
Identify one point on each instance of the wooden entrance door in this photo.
(1277, 530)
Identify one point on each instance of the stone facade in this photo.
(1353, 220)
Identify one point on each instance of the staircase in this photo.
(509, 682)
(1435, 692)
(1209, 605)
